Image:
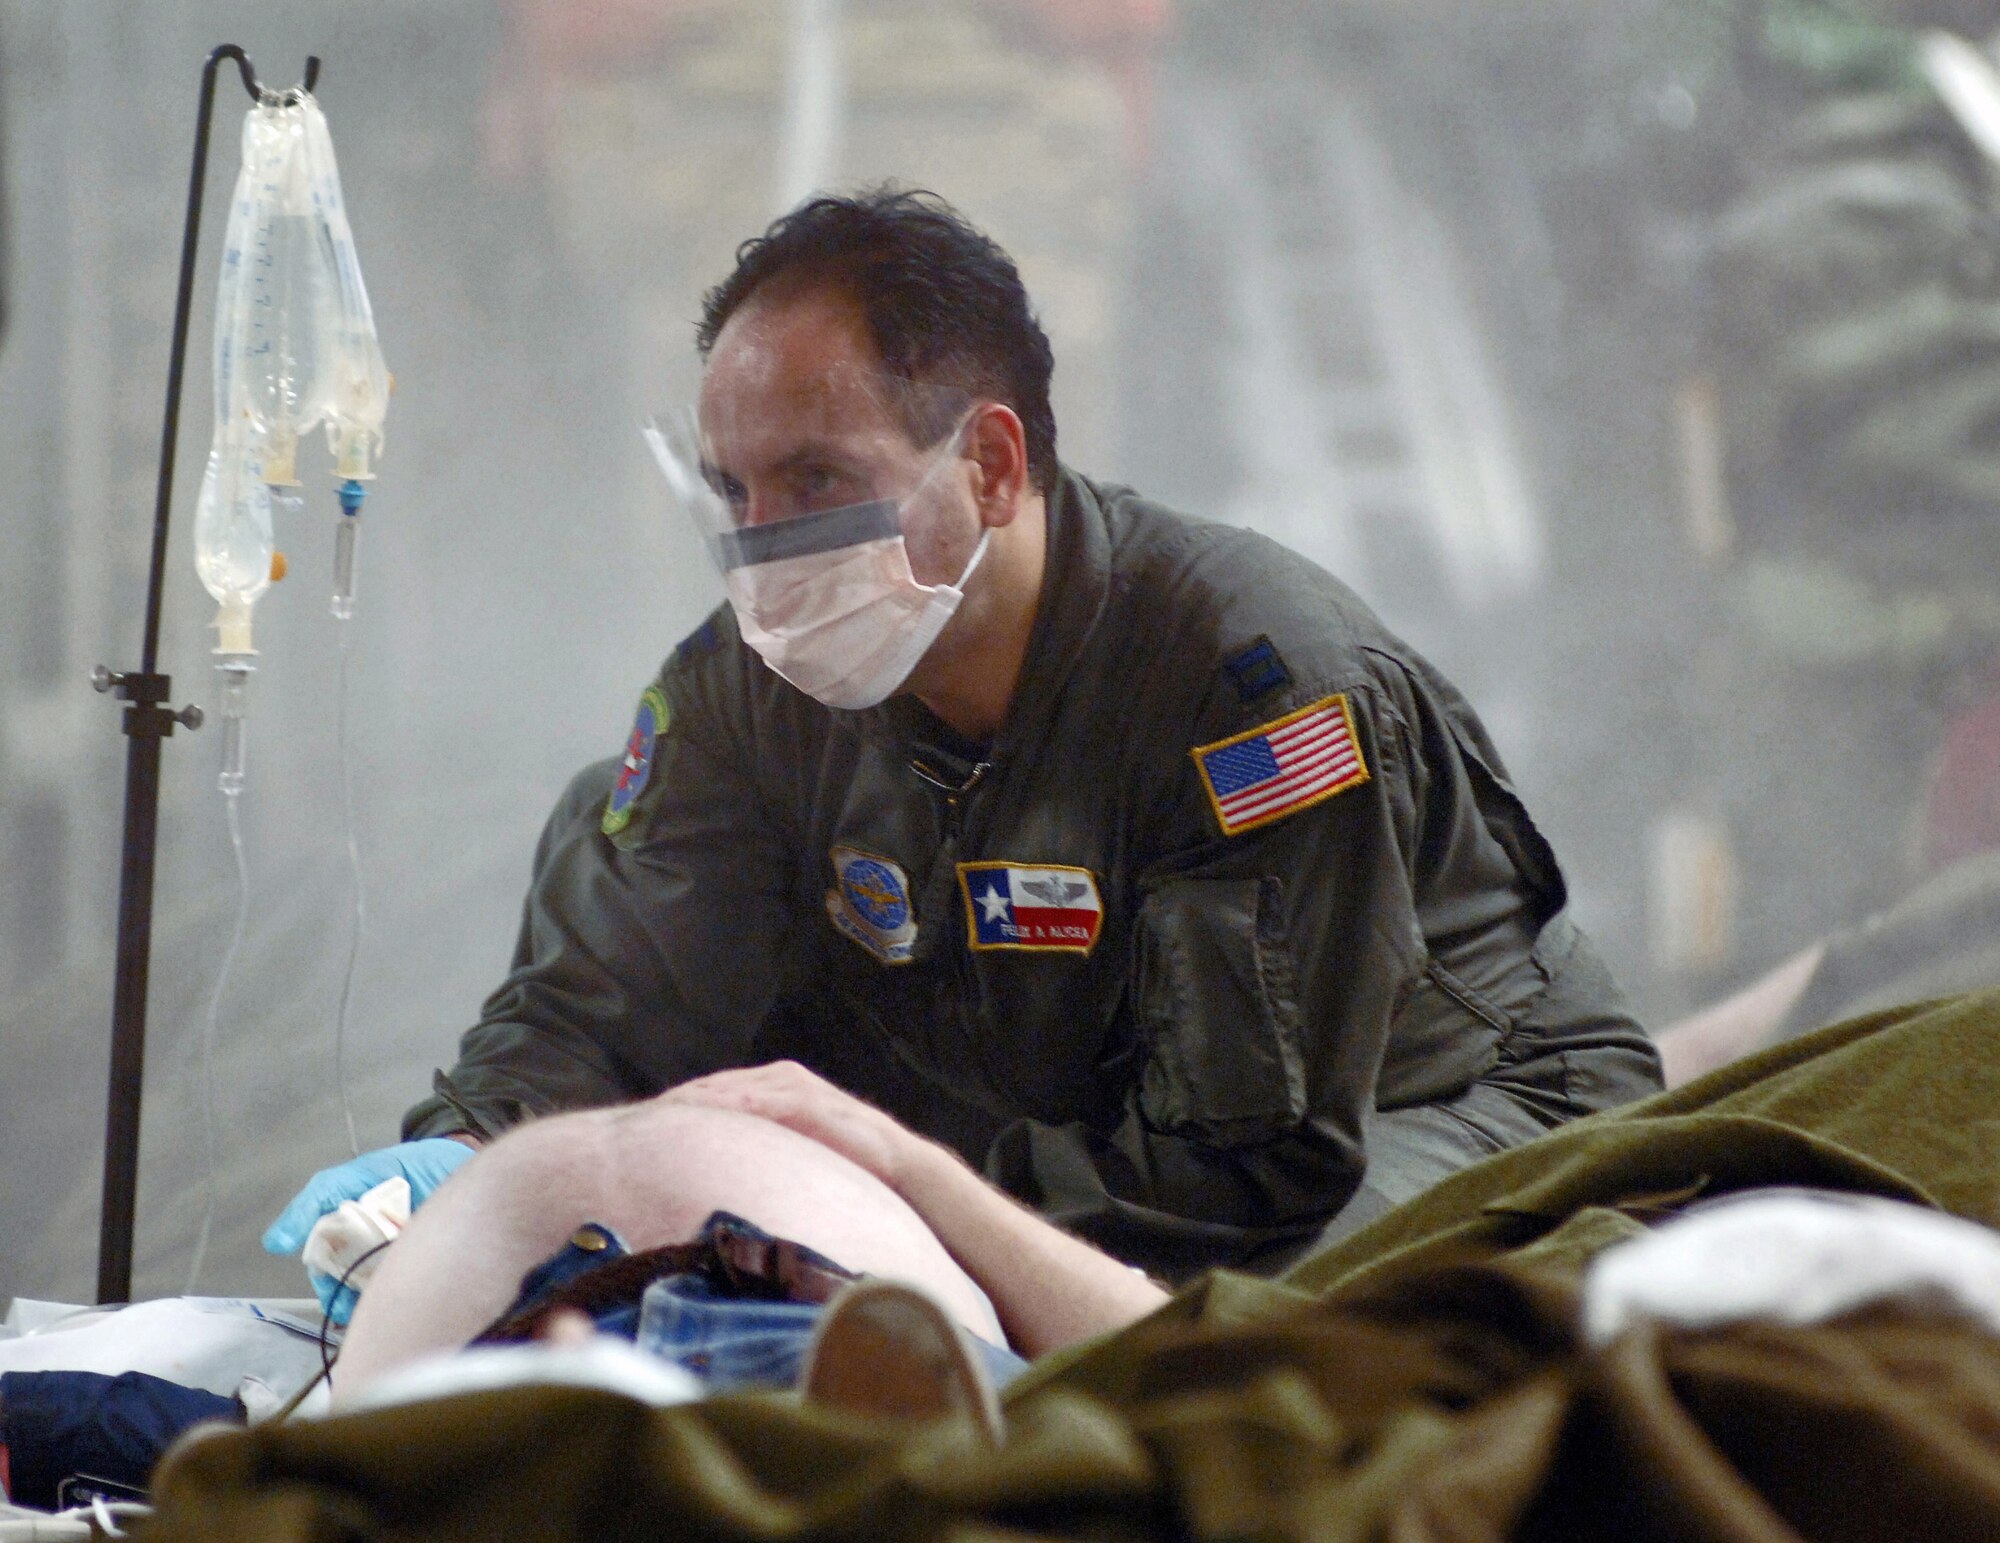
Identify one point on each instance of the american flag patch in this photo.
(1282, 767)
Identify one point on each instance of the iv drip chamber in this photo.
(233, 672)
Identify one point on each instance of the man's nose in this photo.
(761, 508)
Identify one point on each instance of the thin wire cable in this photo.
(343, 753)
(328, 1356)
(231, 803)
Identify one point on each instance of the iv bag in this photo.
(358, 399)
(229, 317)
(233, 540)
(294, 347)
(233, 543)
(276, 308)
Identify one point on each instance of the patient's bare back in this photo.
(653, 1172)
(789, 1185)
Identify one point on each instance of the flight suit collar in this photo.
(1076, 583)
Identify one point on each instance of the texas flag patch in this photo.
(1009, 905)
(1282, 767)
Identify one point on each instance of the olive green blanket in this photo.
(1419, 1381)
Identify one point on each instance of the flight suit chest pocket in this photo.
(1217, 1001)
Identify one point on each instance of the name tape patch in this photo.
(870, 903)
(1282, 767)
(635, 768)
(1043, 908)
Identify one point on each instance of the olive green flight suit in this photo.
(1187, 1057)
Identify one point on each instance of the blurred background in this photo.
(1639, 360)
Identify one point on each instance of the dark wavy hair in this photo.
(944, 304)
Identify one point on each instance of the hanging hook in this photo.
(250, 81)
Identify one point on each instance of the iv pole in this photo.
(147, 722)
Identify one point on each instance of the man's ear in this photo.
(997, 445)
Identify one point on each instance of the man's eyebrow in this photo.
(811, 452)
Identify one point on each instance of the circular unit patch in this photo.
(635, 768)
(870, 904)
(875, 890)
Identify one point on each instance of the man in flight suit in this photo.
(1125, 855)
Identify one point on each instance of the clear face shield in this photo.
(813, 506)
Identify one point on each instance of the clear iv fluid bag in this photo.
(233, 543)
(277, 305)
(286, 374)
(358, 400)
(295, 347)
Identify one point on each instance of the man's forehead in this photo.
(800, 366)
(830, 403)
(770, 420)
(805, 350)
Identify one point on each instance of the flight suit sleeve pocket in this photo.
(1218, 1004)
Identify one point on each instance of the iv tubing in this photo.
(360, 900)
(208, 1037)
(347, 530)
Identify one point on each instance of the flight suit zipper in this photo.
(952, 791)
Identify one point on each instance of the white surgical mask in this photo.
(825, 595)
(831, 604)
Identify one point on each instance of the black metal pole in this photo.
(128, 1010)
(147, 722)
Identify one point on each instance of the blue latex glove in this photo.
(424, 1164)
(336, 1300)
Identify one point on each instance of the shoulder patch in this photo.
(1283, 766)
(635, 767)
(705, 639)
(1257, 670)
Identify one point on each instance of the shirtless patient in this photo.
(773, 1144)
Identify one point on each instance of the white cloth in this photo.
(601, 1361)
(1794, 1256)
(19, 1524)
(213, 1343)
